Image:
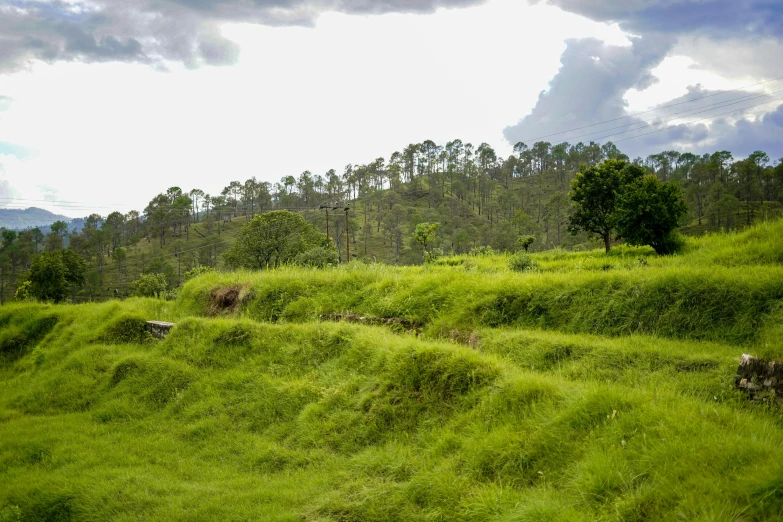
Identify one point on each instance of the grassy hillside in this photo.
(599, 387)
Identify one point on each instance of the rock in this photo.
(761, 379)
(159, 329)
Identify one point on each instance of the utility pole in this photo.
(327, 219)
(347, 239)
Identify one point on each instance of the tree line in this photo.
(478, 197)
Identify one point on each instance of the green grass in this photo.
(567, 394)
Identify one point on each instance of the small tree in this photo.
(424, 234)
(272, 239)
(53, 274)
(595, 192)
(526, 241)
(649, 213)
(150, 285)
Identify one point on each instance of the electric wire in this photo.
(652, 110)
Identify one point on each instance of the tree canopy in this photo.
(649, 212)
(53, 274)
(273, 238)
(595, 192)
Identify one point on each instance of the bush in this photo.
(521, 262)
(150, 285)
(317, 257)
(670, 243)
(272, 239)
(481, 251)
(433, 255)
(197, 271)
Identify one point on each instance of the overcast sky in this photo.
(108, 102)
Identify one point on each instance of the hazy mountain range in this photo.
(20, 219)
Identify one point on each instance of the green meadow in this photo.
(594, 387)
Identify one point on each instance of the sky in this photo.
(105, 103)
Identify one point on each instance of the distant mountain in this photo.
(32, 217)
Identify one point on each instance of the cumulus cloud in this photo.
(739, 121)
(589, 87)
(152, 31)
(717, 18)
(736, 38)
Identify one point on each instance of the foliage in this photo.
(150, 285)
(521, 262)
(23, 292)
(525, 241)
(480, 251)
(53, 274)
(119, 255)
(318, 257)
(479, 198)
(197, 271)
(159, 265)
(272, 239)
(433, 255)
(595, 192)
(649, 212)
(425, 233)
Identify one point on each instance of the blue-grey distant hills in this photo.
(18, 219)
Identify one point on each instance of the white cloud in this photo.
(349, 90)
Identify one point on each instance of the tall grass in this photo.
(234, 419)
(568, 395)
(715, 303)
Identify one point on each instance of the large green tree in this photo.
(53, 274)
(648, 213)
(273, 238)
(595, 193)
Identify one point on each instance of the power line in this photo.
(652, 110)
(696, 121)
(682, 114)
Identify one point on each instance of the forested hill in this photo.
(479, 199)
(21, 219)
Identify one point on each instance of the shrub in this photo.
(197, 271)
(317, 257)
(670, 243)
(433, 255)
(481, 251)
(521, 262)
(272, 239)
(52, 274)
(150, 285)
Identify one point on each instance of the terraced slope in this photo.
(565, 394)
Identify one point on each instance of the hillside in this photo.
(478, 198)
(598, 387)
(21, 219)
